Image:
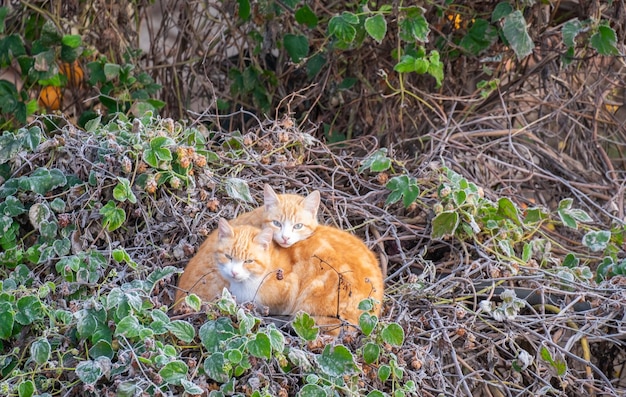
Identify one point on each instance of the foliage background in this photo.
(522, 153)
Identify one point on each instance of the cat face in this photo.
(291, 218)
(241, 254)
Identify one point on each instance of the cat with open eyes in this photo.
(325, 271)
(291, 217)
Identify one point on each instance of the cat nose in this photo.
(234, 273)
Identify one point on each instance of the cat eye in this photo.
(248, 261)
(276, 223)
(230, 258)
(297, 226)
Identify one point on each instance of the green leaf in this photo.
(340, 27)
(414, 27)
(500, 11)
(91, 371)
(72, 40)
(244, 9)
(376, 27)
(43, 180)
(570, 30)
(384, 372)
(113, 217)
(597, 240)
(393, 334)
(305, 16)
(260, 346)
(297, 46)
(479, 37)
(214, 332)
(508, 210)
(337, 361)
(305, 327)
(26, 388)
(377, 162)
(158, 275)
(238, 189)
(191, 388)
(371, 352)
(435, 67)
(12, 207)
(312, 390)
(402, 187)
(101, 348)
(182, 330)
(406, 64)
(123, 192)
(7, 319)
(128, 326)
(444, 224)
(174, 371)
(604, 41)
(516, 33)
(29, 310)
(9, 146)
(30, 137)
(215, 368)
(367, 322)
(111, 71)
(40, 351)
(194, 302)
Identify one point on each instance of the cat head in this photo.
(292, 217)
(243, 252)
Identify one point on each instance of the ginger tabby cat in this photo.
(292, 218)
(325, 271)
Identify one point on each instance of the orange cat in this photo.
(326, 275)
(292, 217)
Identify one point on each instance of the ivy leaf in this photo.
(508, 210)
(414, 27)
(123, 192)
(304, 325)
(260, 346)
(113, 217)
(7, 319)
(305, 16)
(238, 189)
(444, 224)
(393, 334)
(570, 30)
(376, 27)
(377, 162)
(371, 352)
(402, 187)
(500, 11)
(597, 241)
(297, 46)
(215, 368)
(182, 330)
(174, 372)
(337, 361)
(604, 41)
(40, 351)
(516, 33)
(91, 371)
(341, 27)
(367, 322)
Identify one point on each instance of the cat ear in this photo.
(311, 203)
(224, 230)
(270, 198)
(264, 238)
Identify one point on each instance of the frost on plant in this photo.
(508, 309)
